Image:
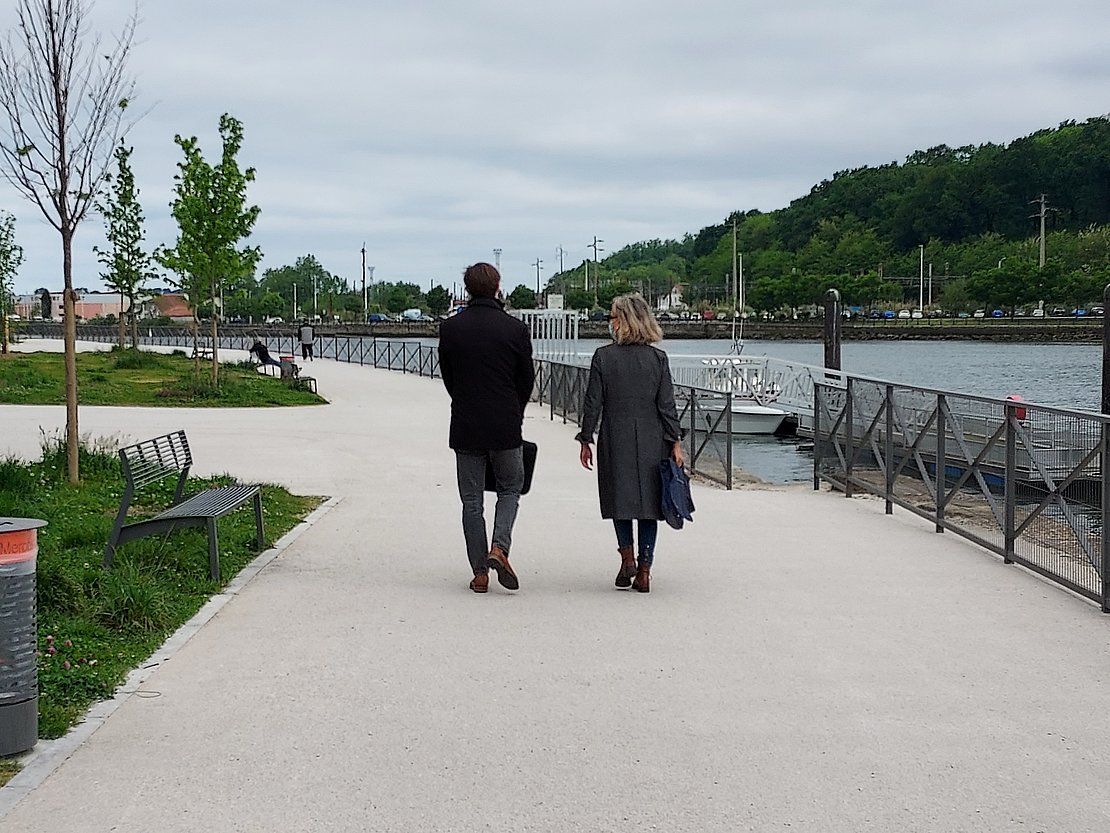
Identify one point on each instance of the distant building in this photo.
(88, 305)
(673, 300)
(172, 305)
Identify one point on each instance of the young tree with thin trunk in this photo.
(127, 263)
(11, 256)
(63, 98)
(212, 217)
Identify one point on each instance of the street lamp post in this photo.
(365, 308)
(497, 260)
(538, 264)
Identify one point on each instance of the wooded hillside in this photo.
(970, 213)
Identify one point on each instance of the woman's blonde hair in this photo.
(637, 324)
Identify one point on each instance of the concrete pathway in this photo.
(803, 662)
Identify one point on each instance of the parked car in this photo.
(917, 314)
(888, 314)
(1038, 313)
(1078, 312)
(903, 313)
(1058, 311)
(377, 317)
(708, 314)
(997, 313)
(599, 315)
(1097, 311)
(979, 313)
(874, 314)
(962, 315)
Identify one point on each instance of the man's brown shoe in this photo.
(480, 583)
(499, 562)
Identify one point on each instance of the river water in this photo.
(1066, 375)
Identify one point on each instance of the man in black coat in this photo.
(485, 359)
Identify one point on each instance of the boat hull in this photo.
(746, 418)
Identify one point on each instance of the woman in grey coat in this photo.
(630, 393)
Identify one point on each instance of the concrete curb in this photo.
(40, 762)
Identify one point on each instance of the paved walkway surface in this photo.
(803, 662)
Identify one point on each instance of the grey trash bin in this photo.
(19, 682)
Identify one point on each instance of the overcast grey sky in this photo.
(436, 131)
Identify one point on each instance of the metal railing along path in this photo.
(1026, 481)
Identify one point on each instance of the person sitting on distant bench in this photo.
(264, 357)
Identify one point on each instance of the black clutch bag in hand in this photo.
(529, 467)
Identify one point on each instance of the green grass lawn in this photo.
(142, 378)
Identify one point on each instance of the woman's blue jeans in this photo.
(647, 531)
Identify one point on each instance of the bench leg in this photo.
(213, 550)
(260, 532)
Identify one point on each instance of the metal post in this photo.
(888, 450)
(832, 329)
(1106, 353)
(849, 429)
(817, 401)
(942, 462)
(1104, 465)
(1010, 486)
(728, 453)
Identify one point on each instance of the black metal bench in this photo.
(169, 455)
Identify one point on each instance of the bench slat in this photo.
(211, 504)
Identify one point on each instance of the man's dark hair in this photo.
(482, 280)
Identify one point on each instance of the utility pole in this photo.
(921, 278)
(365, 308)
(1042, 200)
(294, 301)
(559, 250)
(734, 284)
(371, 270)
(497, 260)
(538, 264)
(597, 269)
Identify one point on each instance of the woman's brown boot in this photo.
(628, 566)
(642, 582)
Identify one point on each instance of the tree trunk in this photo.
(7, 333)
(69, 331)
(133, 319)
(122, 343)
(216, 313)
(196, 348)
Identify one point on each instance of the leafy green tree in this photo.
(11, 257)
(128, 264)
(62, 102)
(522, 298)
(438, 300)
(212, 218)
(578, 299)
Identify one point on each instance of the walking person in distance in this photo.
(631, 394)
(485, 359)
(306, 334)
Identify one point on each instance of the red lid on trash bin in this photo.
(19, 539)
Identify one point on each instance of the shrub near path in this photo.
(141, 378)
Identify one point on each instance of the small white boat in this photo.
(748, 417)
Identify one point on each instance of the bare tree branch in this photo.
(63, 108)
